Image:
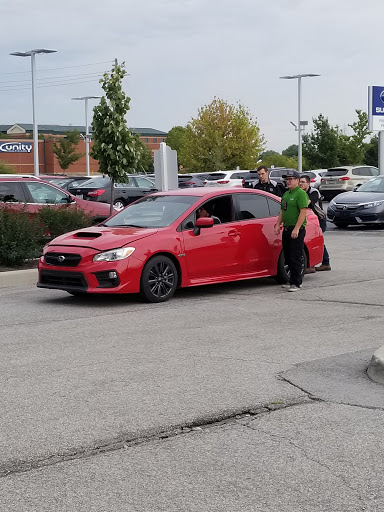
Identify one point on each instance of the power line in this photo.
(53, 69)
(11, 89)
(95, 73)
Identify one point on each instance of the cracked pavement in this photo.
(227, 398)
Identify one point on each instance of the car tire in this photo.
(119, 204)
(158, 279)
(283, 274)
(341, 225)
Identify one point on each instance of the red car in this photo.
(160, 243)
(35, 193)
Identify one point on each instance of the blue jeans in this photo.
(323, 225)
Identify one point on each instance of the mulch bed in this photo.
(25, 266)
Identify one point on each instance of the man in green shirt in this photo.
(293, 215)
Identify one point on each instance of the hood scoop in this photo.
(85, 234)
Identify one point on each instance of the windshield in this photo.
(373, 185)
(152, 212)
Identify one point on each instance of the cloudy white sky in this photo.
(182, 53)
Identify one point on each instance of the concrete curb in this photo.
(376, 366)
(18, 277)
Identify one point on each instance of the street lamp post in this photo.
(300, 124)
(87, 136)
(32, 53)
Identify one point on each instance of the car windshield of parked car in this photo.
(373, 185)
(152, 212)
(95, 182)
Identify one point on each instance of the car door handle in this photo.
(233, 232)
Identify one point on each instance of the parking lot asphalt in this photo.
(101, 394)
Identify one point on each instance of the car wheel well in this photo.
(174, 260)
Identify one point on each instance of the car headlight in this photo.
(115, 254)
(373, 204)
(332, 203)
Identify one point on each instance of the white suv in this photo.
(225, 178)
(345, 179)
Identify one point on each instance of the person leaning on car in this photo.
(293, 215)
(265, 183)
(317, 208)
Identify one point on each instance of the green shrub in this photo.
(20, 236)
(6, 168)
(62, 220)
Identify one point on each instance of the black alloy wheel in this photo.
(159, 279)
(283, 274)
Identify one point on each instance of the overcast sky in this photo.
(181, 53)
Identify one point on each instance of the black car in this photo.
(99, 189)
(275, 174)
(66, 182)
(363, 206)
(189, 181)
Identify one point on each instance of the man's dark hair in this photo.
(263, 167)
(307, 178)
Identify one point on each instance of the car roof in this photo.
(18, 178)
(210, 192)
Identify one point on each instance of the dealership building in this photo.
(17, 148)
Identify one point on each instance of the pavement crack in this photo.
(126, 440)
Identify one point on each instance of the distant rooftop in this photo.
(58, 129)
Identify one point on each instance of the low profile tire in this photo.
(119, 204)
(341, 225)
(283, 275)
(158, 279)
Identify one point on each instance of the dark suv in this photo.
(99, 189)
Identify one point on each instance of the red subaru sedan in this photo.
(176, 239)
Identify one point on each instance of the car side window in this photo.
(129, 183)
(361, 171)
(219, 208)
(144, 183)
(11, 192)
(45, 194)
(274, 207)
(253, 206)
(374, 171)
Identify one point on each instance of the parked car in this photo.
(225, 178)
(364, 206)
(276, 174)
(315, 176)
(64, 182)
(189, 181)
(159, 243)
(35, 193)
(99, 189)
(345, 179)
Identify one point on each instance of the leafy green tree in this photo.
(114, 146)
(320, 148)
(65, 149)
(223, 136)
(277, 160)
(356, 145)
(290, 151)
(145, 161)
(176, 141)
(6, 168)
(371, 155)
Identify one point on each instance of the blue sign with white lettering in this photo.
(377, 101)
(376, 107)
(16, 147)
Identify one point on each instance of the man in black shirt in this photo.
(265, 183)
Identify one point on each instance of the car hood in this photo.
(358, 197)
(102, 238)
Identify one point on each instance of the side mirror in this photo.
(203, 222)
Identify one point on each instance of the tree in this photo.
(114, 146)
(145, 161)
(6, 168)
(277, 160)
(320, 148)
(176, 141)
(222, 137)
(356, 146)
(292, 150)
(371, 155)
(65, 149)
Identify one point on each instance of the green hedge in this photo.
(23, 236)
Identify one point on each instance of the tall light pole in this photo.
(32, 53)
(300, 123)
(87, 137)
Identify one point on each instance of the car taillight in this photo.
(187, 182)
(242, 181)
(322, 179)
(95, 193)
(313, 180)
(222, 182)
(344, 178)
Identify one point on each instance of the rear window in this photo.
(310, 174)
(214, 177)
(238, 175)
(336, 172)
(95, 182)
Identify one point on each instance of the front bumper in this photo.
(356, 216)
(88, 276)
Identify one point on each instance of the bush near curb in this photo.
(22, 236)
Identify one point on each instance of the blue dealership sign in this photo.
(16, 147)
(376, 108)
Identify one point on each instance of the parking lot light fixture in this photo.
(87, 135)
(32, 53)
(300, 123)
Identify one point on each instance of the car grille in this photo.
(62, 259)
(62, 280)
(346, 207)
